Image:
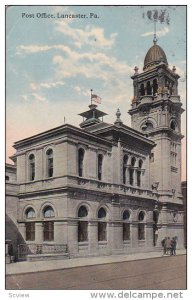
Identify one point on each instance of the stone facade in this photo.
(106, 188)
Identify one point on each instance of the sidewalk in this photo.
(39, 266)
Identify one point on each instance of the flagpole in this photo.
(91, 96)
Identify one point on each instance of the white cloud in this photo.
(47, 85)
(90, 35)
(38, 97)
(31, 97)
(159, 33)
(82, 90)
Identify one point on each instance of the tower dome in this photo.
(154, 56)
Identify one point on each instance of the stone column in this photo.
(134, 235)
(115, 237)
(73, 236)
(60, 233)
(149, 235)
(38, 233)
(93, 236)
(162, 225)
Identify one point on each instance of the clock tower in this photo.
(156, 112)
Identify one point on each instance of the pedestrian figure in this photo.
(168, 245)
(173, 245)
(163, 245)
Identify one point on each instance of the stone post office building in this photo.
(108, 188)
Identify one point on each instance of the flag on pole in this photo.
(95, 98)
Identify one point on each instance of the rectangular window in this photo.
(48, 231)
(138, 178)
(82, 231)
(126, 232)
(141, 231)
(102, 231)
(30, 231)
(131, 176)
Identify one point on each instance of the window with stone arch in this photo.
(99, 166)
(30, 213)
(48, 226)
(49, 162)
(102, 225)
(173, 125)
(30, 226)
(141, 226)
(125, 161)
(48, 212)
(82, 224)
(126, 225)
(81, 154)
(155, 86)
(31, 167)
(149, 89)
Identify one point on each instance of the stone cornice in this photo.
(58, 132)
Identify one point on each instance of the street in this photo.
(155, 273)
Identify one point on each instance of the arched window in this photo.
(142, 90)
(30, 213)
(82, 212)
(173, 125)
(30, 226)
(102, 226)
(32, 167)
(133, 160)
(126, 215)
(141, 216)
(99, 166)
(126, 226)
(49, 156)
(155, 86)
(141, 226)
(140, 163)
(81, 154)
(48, 212)
(149, 90)
(48, 226)
(102, 213)
(82, 225)
(125, 160)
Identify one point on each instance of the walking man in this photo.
(173, 245)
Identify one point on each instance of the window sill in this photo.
(86, 243)
(102, 242)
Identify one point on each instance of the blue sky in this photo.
(51, 64)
